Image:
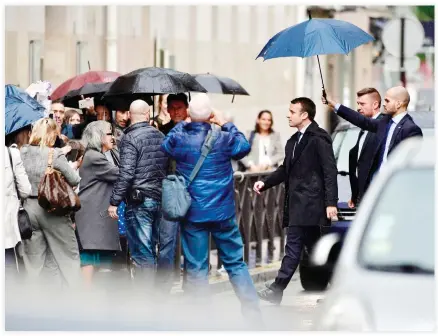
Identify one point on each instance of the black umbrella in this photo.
(89, 90)
(145, 82)
(223, 85)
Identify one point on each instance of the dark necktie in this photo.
(296, 142)
(382, 152)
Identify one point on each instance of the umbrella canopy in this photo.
(80, 80)
(89, 90)
(146, 82)
(154, 81)
(20, 109)
(222, 85)
(315, 37)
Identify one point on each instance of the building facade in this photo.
(55, 43)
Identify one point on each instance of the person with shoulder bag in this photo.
(211, 207)
(17, 223)
(53, 249)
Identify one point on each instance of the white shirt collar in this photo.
(304, 129)
(399, 117)
(375, 117)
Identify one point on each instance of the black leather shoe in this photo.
(267, 294)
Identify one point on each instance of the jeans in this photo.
(145, 228)
(167, 238)
(194, 239)
(141, 231)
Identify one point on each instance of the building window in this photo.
(82, 61)
(35, 61)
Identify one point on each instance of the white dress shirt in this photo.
(362, 140)
(264, 143)
(396, 120)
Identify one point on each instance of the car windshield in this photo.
(348, 141)
(400, 234)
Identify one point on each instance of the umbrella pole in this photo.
(322, 80)
(232, 101)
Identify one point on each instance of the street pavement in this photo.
(296, 311)
(118, 306)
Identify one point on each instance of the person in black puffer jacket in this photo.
(143, 165)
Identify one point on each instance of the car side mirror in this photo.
(323, 248)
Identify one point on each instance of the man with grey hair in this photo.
(212, 209)
(142, 168)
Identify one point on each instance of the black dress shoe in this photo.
(267, 294)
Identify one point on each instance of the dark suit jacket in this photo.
(363, 164)
(310, 178)
(406, 128)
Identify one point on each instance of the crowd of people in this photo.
(121, 159)
(116, 161)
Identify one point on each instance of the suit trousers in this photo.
(297, 238)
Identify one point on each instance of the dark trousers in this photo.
(297, 238)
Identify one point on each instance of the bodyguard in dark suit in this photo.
(395, 126)
(310, 176)
(361, 155)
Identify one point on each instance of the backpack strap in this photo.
(210, 139)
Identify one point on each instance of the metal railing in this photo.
(260, 217)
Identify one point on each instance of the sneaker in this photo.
(221, 271)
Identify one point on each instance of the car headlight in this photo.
(346, 314)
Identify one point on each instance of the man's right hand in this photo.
(257, 186)
(329, 101)
(351, 204)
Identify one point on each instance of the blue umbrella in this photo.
(315, 37)
(20, 109)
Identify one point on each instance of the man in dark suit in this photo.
(310, 176)
(395, 126)
(361, 155)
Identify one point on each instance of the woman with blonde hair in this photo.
(53, 249)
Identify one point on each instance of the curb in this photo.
(258, 275)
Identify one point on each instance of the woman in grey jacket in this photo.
(98, 232)
(267, 152)
(53, 249)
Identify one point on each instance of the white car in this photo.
(384, 277)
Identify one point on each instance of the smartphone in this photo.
(86, 103)
(72, 155)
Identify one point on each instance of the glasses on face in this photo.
(109, 134)
(58, 111)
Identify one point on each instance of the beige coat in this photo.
(11, 230)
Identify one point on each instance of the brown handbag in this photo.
(55, 194)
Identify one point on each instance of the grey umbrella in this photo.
(222, 85)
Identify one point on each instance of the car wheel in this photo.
(312, 279)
